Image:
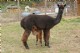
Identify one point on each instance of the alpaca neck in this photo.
(59, 16)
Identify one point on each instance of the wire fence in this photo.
(14, 12)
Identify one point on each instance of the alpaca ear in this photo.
(58, 5)
(64, 5)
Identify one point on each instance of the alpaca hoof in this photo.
(45, 45)
(48, 46)
(36, 44)
(27, 47)
(41, 44)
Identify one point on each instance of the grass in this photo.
(65, 38)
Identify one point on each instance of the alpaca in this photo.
(42, 22)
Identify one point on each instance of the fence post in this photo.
(45, 6)
(18, 9)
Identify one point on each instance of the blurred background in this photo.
(16, 9)
(65, 37)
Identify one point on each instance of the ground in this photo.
(64, 38)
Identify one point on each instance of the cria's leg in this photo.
(25, 38)
(46, 37)
(36, 39)
(40, 37)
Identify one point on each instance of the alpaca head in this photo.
(61, 6)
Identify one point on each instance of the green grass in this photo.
(65, 38)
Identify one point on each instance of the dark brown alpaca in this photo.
(42, 22)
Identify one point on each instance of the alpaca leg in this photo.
(46, 37)
(25, 38)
